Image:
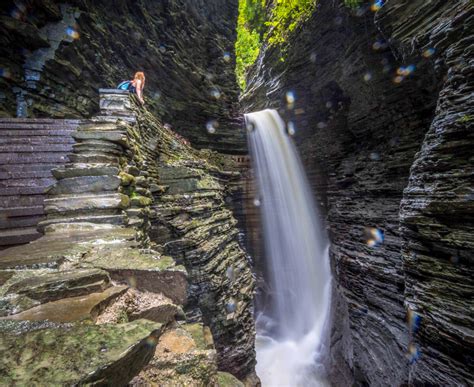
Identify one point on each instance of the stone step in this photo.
(21, 211)
(37, 126)
(107, 149)
(18, 236)
(98, 126)
(25, 167)
(14, 174)
(111, 136)
(29, 148)
(36, 140)
(94, 219)
(31, 182)
(50, 121)
(93, 158)
(21, 201)
(35, 158)
(95, 202)
(52, 286)
(20, 221)
(38, 132)
(71, 309)
(77, 170)
(12, 191)
(83, 184)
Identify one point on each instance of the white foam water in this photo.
(292, 331)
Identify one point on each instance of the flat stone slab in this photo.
(82, 184)
(50, 286)
(86, 203)
(73, 309)
(77, 170)
(47, 354)
(65, 246)
(135, 305)
(114, 91)
(145, 272)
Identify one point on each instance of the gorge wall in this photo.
(54, 56)
(140, 245)
(380, 97)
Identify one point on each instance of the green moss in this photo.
(466, 118)
(67, 355)
(352, 3)
(200, 334)
(126, 179)
(140, 201)
(225, 379)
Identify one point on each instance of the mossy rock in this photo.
(75, 354)
(224, 379)
(140, 201)
(126, 179)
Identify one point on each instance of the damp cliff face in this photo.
(382, 120)
(54, 57)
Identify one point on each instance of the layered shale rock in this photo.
(110, 221)
(437, 210)
(29, 150)
(373, 87)
(191, 222)
(55, 56)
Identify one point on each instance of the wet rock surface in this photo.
(380, 111)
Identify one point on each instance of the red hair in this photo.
(139, 75)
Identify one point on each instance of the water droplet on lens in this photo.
(290, 97)
(215, 93)
(291, 128)
(231, 306)
(375, 156)
(212, 126)
(429, 52)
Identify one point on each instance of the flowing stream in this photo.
(292, 329)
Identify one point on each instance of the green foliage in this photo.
(249, 35)
(285, 16)
(352, 3)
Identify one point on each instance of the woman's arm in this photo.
(139, 88)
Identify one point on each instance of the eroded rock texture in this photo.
(101, 261)
(382, 120)
(191, 222)
(438, 204)
(54, 57)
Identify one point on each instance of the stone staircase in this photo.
(29, 150)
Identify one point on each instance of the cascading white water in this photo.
(291, 333)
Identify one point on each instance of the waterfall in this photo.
(292, 329)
